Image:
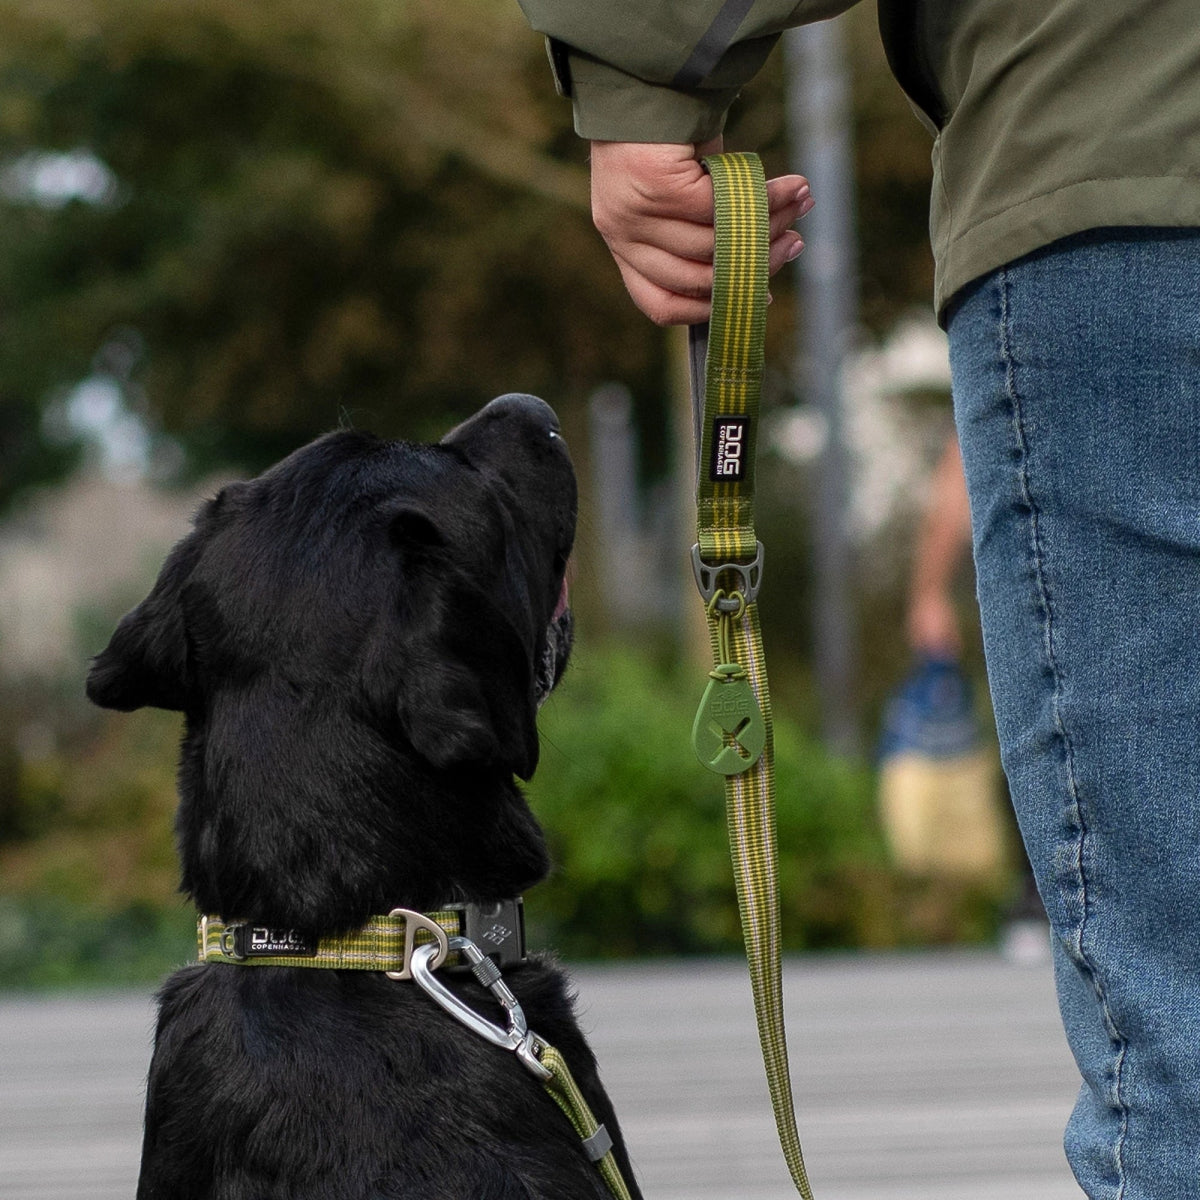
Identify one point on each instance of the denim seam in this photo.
(1043, 593)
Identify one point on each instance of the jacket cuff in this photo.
(611, 106)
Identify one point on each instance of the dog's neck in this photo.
(274, 827)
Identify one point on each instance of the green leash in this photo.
(732, 733)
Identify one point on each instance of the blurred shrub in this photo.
(637, 831)
(47, 942)
(635, 825)
(90, 813)
(88, 873)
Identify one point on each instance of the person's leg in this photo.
(1077, 397)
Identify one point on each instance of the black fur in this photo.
(359, 639)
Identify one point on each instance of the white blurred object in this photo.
(51, 179)
(889, 438)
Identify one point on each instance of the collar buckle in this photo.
(497, 928)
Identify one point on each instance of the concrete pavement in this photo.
(938, 1076)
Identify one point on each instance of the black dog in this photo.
(359, 640)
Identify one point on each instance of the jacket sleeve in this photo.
(661, 70)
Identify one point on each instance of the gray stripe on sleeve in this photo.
(716, 39)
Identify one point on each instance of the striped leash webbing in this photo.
(733, 733)
(565, 1092)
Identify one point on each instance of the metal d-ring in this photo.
(517, 1037)
(413, 921)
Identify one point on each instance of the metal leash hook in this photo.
(517, 1037)
(527, 1046)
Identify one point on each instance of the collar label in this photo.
(259, 940)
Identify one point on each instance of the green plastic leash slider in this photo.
(729, 733)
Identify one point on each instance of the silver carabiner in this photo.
(517, 1037)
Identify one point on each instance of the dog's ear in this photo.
(414, 528)
(145, 662)
(465, 689)
(466, 694)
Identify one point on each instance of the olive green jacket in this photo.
(1050, 116)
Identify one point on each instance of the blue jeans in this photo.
(1077, 397)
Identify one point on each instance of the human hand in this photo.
(653, 205)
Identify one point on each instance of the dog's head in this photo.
(421, 586)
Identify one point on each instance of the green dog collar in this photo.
(385, 943)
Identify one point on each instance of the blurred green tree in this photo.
(373, 211)
(367, 211)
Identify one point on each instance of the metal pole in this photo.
(818, 111)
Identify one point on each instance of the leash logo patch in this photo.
(730, 452)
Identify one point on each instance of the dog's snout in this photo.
(524, 407)
(517, 414)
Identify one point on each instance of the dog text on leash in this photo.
(729, 456)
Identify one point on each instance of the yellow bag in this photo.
(939, 783)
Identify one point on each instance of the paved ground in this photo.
(938, 1077)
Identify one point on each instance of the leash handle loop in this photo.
(727, 408)
(737, 698)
